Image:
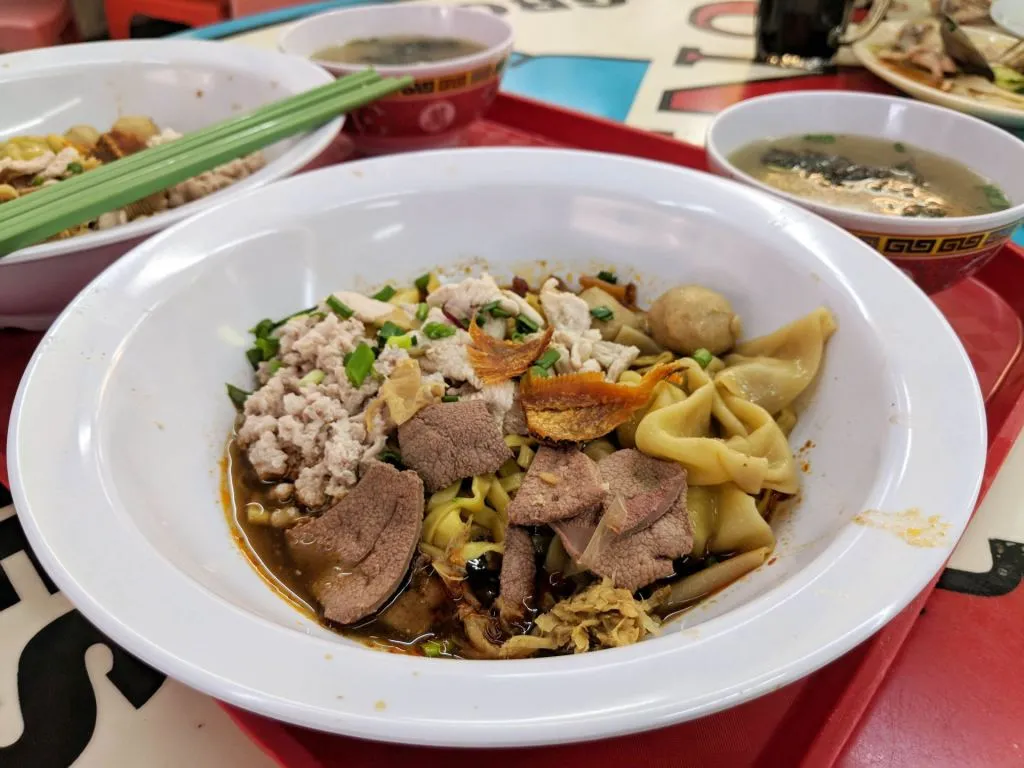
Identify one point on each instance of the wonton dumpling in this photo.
(772, 371)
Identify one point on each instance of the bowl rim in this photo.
(635, 693)
(285, 41)
(861, 220)
(308, 146)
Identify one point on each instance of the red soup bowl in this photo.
(935, 253)
(447, 96)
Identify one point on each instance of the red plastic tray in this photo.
(808, 722)
(804, 724)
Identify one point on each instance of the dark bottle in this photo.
(806, 34)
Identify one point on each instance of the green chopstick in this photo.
(132, 178)
(71, 186)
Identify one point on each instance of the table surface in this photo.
(661, 65)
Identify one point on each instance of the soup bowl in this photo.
(447, 95)
(136, 438)
(183, 85)
(934, 252)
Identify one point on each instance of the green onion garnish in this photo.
(495, 309)
(899, 146)
(358, 364)
(995, 197)
(262, 328)
(264, 349)
(438, 330)
(422, 310)
(389, 329)
(405, 341)
(602, 313)
(542, 373)
(238, 396)
(384, 294)
(75, 168)
(38, 181)
(517, 336)
(449, 398)
(314, 377)
(389, 456)
(339, 307)
(608, 277)
(422, 282)
(703, 357)
(266, 326)
(525, 325)
(820, 138)
(548, 359)
(274, 366)
(481, 318)
(433, 649)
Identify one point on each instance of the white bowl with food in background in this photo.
(448, 95)
(130, 394)
(181, 86)
(935, 252)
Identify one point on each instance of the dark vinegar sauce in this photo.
(266, 549)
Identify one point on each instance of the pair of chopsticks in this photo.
(53, 208)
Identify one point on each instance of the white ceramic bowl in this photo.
(447, 96)
(121, 419)
(936, 253)
(184, 85)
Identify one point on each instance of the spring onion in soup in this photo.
(870, 175)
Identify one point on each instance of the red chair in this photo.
(195, 13)
(249, 7)
(28, 24)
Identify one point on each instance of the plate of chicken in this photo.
(917, 58)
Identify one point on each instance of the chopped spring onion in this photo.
(900, 146)
(384, 294)
(75, 168)
(274, 366)
(517, 336)
(339, 307)
(608, 277)
(389, 329)
(238, 396)
(602, 313)
(526, 325)
(495, 309)
(422, 310)
(266, 326)
(358, 364)
(438, 330)
(450, 399)
(264, 349)
(389, 456)
(314, 377)
(405, 341)
(38, 181)
(536, 370)
(432, 648)
(820, 138)
(548, 359)
(703, 357)
(995, 197)
(422, 282)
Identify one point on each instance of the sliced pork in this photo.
(360, 549)
(518, 571)
(560, 484)
(449, 441)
